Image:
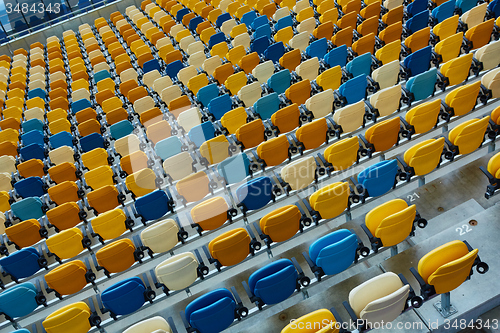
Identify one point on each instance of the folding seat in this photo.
(324, 30)
(154, 205)
(368, 26)
(26, 233)
(420, 86)
(386, 101)
(30, 187)
(360, 65)
(333, 253)
(445, 29)
(443, 11)
(283, 274)
(92, 141)
(364, 44)
(479, 35)
(69, 278)
(393, 15)
(154, 324)
(350, 117)
(141, 182)
(389, 52)
(343, 37)
(67, 191)
(422, 158)
(255, 194)
(445, 268)
(23, 263)
(448, 48)
(377, 179)
(67, 243)
(64, 172)
(116, 256)
(391, 223)
(284, 35)
(455, 71)
(380, 299)
(273, 151)
(466, 137)
(103, 199)
(21, 300)
(133, 162)
(381, 136)
(417, 22)
(216, 309)
(487, 56)
(461, 100)
(353, 90)
(290, 60)
(75, 317)
(99, 177)
(299, 92)
(193, 187)
(472, 16)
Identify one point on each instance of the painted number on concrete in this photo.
(465, 228)
(413, 197)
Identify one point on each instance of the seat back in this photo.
(384, 134)
(425, 156)
(125, 296)
(281, 224)
(68, 278)
(463, 99)
(72, 317)
(334, 252)
(161, 236)
(193, 187)
(66, 244)
(419, 61)
(215, 309)
(178, 272)
(19, 300)
(422, 85)
(274, 282)
(155, 324)
(387, 100)
(299, 174)
(424, 116)
(211, 213)
(381, 298)
(116, 256)
(379, 178)
(447, 266)
(231, 247)
(457, 70)
(469, 135)
(350, 117)
(331, 200)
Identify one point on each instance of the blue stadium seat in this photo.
(422, 85)
(235, 168)
(284, 22)
(255, 194)
(378, 178)
(494, 8)
(173, 68)
(273, 283)
(101, 75)
(275, 51)
(207, 93)
(260, 21)
(216, 39)
(333, 253)
(193, 23)
(32, 125)
(318, 48)
(38, 92)
(30, 187)
(153, 205)
(418, 62)
(23, 263)
(361, 65)
(180, 14)
(213, 312)
(20, 300)
(91, 142)
(168, 147)
(33, 136)
(280, 81)
(416, 7)
(33, 150)
(201, 133)
(417, 22)
(220, 105)
(151, 65)
(259, 45)
(248, 18)
(443, 11)
(125, 297)
(22, 330)
(262, 31)
(354, 90)
(337, 56)
(29, 208)
(267, 105)
(61, 139)
(84, 4)
(80, 105)
(222, 18)
(465, 5)
(121, 129)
